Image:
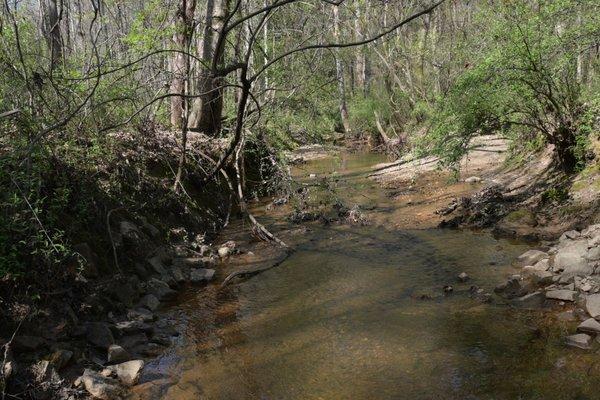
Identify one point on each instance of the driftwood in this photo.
(246, 273)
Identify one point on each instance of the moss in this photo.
(520, 215)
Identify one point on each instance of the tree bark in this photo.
(339, 70)
(180, 62)
(208, 107)
(53, 35)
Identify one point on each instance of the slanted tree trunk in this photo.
(208, 107)
(180, 62)
(339, 70)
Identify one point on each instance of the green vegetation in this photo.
(97, 100)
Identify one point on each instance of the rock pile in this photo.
(568, 273)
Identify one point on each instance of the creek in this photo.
(359, 312)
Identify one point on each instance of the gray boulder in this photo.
(99, 334)
(572, 259)
(60, 358)
(101, 387)
(129, 372)
(592, 305)
(538, 274)
(202, 275)
(512, 288)
(590, 325)
(156, 265)
(530, 301)
(140, 314)
(580, 340)
(150, 302)
(160, 289)
(569, 235)
(561, 294)
(117, 354)
(531, 257)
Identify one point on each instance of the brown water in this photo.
(344, 318)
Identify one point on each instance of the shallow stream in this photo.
(359, 312)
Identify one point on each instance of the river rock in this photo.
(530, 301)
(130, 232)
(592, 305)
(224, 251)
(593, 254)
(569, 235)
(117, 354)
(149, 302)
(101, 387)
(590, 325)
(133, 326)
(580, 340)
(561, 294)
(157, 265)
(99, 334)
(202, 275)
(473, 179)
(572, 259)
(543, 264)
(512, 288)
(538, 274)
(60, 358)
(44, 371)
(132, 341)
(463, 277)
(178, 275)
(531, 257)
(129, 372)
(160, 289)
(140, 314)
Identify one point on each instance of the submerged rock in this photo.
(512, 288)
(202, 275)
(531, 257)
(531, 300)
(463, 277)
(473, 179)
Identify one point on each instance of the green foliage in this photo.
(524, 83)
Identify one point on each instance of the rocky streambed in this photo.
(566, 274)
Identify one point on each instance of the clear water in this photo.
(344, 318)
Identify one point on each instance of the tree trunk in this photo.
(52, 31)
(339, 70)
(180, 62)
(208, 107)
